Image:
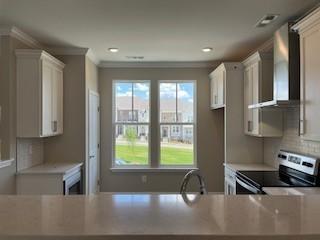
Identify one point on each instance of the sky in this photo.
(167, 90)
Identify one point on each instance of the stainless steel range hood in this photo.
(286, 72)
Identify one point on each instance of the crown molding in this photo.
(106, 64)
(38, 54)
(266, 47)
(69, 51)
(257, 56)
(308, 21)
(20, 35)
(76, 52)
(92, 57)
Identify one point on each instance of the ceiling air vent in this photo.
(135, 57)
(266, 20)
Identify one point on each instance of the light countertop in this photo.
(52, 168)
(249, 167)
(158, 216)
(291, 191)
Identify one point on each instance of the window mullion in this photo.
(176, 102)
(132, 103)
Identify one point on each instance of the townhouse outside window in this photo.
(173, 130)
(131, 123)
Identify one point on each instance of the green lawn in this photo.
(169, 155)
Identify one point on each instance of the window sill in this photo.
(185, 169)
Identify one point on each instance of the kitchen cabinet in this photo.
(50, 178)
(39, 94)
(258, 85)
(236, 143)
(217, 82)
(229, 181)
(309, 31)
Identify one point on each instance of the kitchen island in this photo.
(159, 216)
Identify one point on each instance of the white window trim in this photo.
(194, 124)
(159, 167)
(114, 123)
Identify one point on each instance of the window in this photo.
(176, 123)
(132, 120)
(131, 123)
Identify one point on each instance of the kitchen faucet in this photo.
(187, 178)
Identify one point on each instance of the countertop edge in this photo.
(66, 172)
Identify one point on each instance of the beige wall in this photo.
(209, 133)
(70, 146)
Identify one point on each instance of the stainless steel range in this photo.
(295, 170)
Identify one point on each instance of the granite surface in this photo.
(160, 216)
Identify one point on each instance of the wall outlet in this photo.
(144, 178)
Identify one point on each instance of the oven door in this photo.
(244, 187)
(73, 185)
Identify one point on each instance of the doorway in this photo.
(94, 143)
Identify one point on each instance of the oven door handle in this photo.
(247, 186)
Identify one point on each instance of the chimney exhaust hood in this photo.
(286, 70)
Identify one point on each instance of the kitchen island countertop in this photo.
(160, 216)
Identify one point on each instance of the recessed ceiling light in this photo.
(113, 50)
(266, 20)
(207, 49)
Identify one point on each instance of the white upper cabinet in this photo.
(217, 81)
(309, 30)
(258, 85)
(39, 94)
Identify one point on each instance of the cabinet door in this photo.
(46, 99)
(310, 84)
(247, 99)
(255, 97)
(220, 88)
(57, 101)
(212, 92)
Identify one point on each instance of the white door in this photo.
(94, 143)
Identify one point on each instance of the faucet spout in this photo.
(187, 178)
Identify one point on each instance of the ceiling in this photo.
(159, 30)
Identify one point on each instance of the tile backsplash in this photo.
(29, 152)
(290, 141)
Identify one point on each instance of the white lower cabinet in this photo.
(229, 181)
(48, 179)
(39, 94)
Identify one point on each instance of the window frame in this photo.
(154, 125)
(194, 124)
(115, 123)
